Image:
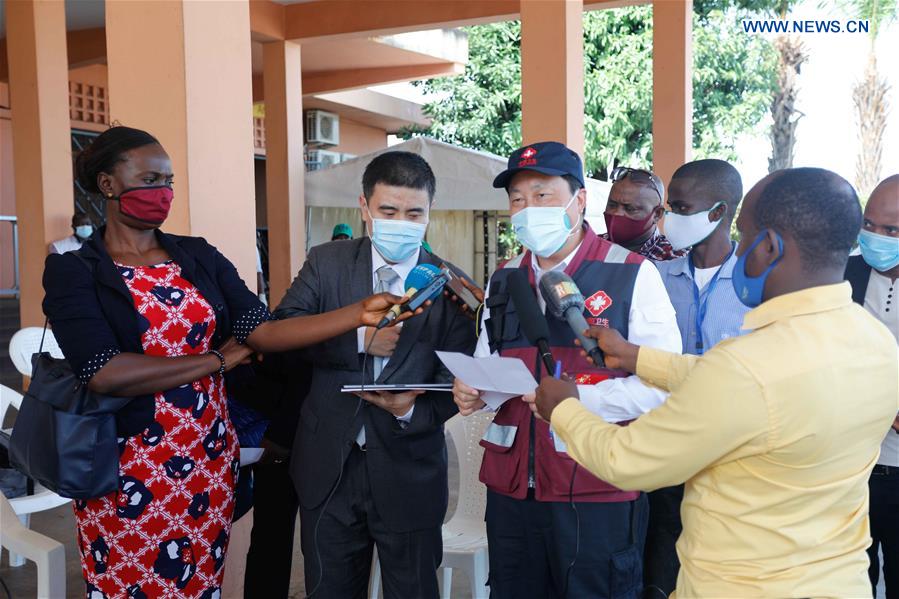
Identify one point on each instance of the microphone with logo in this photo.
(425, 282)
(533, 323)
(566, 302)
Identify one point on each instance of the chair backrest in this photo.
(466, 433)
(8, 397)
(26, 342)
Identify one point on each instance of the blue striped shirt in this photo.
(724, 310)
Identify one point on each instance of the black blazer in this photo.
(857, 273)
(93, 316)
(407, 466)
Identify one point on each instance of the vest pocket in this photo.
(500, 466)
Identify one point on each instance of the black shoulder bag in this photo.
(64, 436)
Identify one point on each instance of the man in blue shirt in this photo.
(703, 197)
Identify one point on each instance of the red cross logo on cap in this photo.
(529, 153)
(597, 303)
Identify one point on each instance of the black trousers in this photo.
(551, 550)
(884, 514)
(660, 563)
(338, 555)
(271, 541)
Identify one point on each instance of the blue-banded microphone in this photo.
(425, 282)
(566, 302)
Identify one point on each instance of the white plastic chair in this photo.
(465, 535)
(47, 554)
(26, 342)
(42, 499)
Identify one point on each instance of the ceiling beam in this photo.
(266, 21)
(335, 19)
(84, 47)
(342, 80)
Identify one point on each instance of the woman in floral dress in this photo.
(160, 318)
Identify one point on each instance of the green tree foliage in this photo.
(733, 82)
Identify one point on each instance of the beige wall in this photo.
(357, 138)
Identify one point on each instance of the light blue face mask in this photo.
(397, 240)
(84, 231)
(879, 251)
(544, 229)
(750, 290)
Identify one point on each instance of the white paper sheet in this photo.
(498, 379)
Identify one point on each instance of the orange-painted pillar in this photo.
(182, 70)
(41, 140)
(284, 164)
(672, 85)
(552, 72)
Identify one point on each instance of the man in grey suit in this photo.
(371, 470)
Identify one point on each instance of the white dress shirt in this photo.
(397, 287)
(880, 300)
(651, 322)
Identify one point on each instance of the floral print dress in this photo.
(164, 533)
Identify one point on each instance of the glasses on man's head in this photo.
(638, 175)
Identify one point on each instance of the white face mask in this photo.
(685, 230)
(544, 229)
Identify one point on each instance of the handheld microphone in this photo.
(533, 322)
(425, 282)
(566, 302)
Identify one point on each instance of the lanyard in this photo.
(702, 299)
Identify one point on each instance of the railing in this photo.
(14, 290)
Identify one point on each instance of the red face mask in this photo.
(623, 230)
(147, 204)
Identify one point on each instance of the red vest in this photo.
(605, 273)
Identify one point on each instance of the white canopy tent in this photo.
(464, 190)
(464, 177)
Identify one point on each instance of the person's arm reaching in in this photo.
(651, 323)
(718, 411)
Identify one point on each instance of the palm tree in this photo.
(792, 54)
(870, 97)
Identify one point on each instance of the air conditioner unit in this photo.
(319, 159)
(322, 128)
(344, 156)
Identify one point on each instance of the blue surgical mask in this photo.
(396, 240)
(84, 231)
(751, 289)
(544, 229)
(879, 251)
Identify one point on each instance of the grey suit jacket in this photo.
(407, 466)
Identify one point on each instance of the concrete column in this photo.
(552, 72)
(182, 70)
(42, 154)
(284, 165)
(672, 86)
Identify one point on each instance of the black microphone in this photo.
(532, 320)
(566, 302)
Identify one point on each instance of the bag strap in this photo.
(43, 334)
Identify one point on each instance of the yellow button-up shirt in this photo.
(775, 434)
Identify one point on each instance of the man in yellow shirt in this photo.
(775, 432)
